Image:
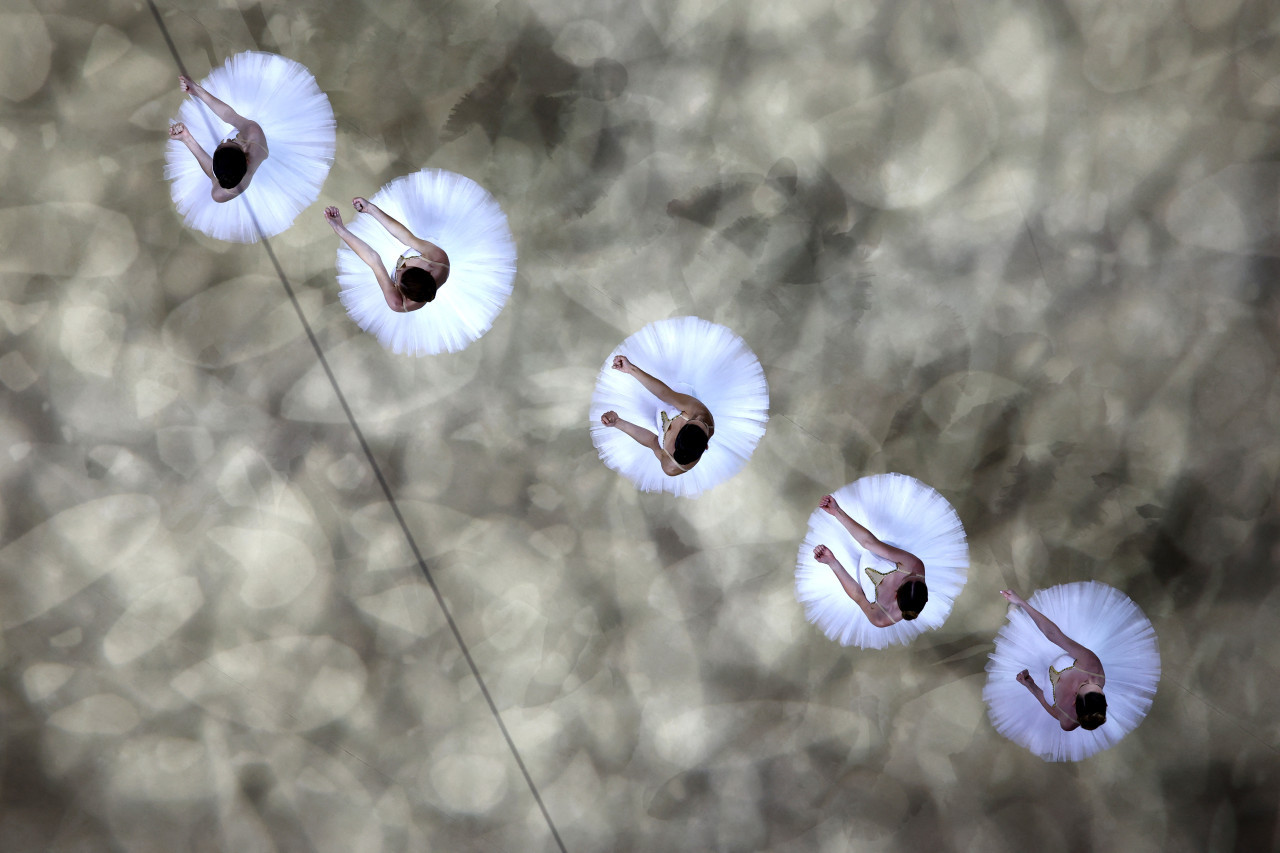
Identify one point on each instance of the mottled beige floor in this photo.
(1025, 252)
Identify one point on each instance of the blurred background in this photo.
(1026, 253)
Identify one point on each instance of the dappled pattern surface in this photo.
(1025, 254)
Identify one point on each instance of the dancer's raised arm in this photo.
(220, 109)
(179, 131)
(395, 301)
(852, 588)
(394, 227)
(1054, 634)
(868, 540)
(1025, 679)
(644, 437)
(686, 403)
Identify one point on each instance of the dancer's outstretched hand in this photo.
(186, 84)
(829, 504)
(1013, 598)
(333, 216)
(823, 555)
(361, 205)
(621, 362)
(609, 419)
(1024, 678)
(178, 130)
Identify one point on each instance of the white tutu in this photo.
(1101, 619)
(899, 511)
(695, 357)
(295, 116)
(460, 217)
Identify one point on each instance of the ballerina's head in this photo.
(691, 442)
(1091, 707)
(912, 597)
(230, 162)
(418, 283)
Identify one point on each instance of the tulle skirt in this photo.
(695, 357)
(1103, 620)
(900, 511)
(460, 217)
(295, 116)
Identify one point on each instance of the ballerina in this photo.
(903, 588)
(920, 550)
(259, 138)
(421, 231)
(1077, 685)
(235, 160)
(684, 437)
(1079, 637)
(661, 433)
(419, 272)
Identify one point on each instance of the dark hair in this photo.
(229, 165)
(417, 284)
(691, 441)
(1091, 710)
(912, 597)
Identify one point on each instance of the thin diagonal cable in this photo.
(404, 527)
(386, 488)
(168, 39)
